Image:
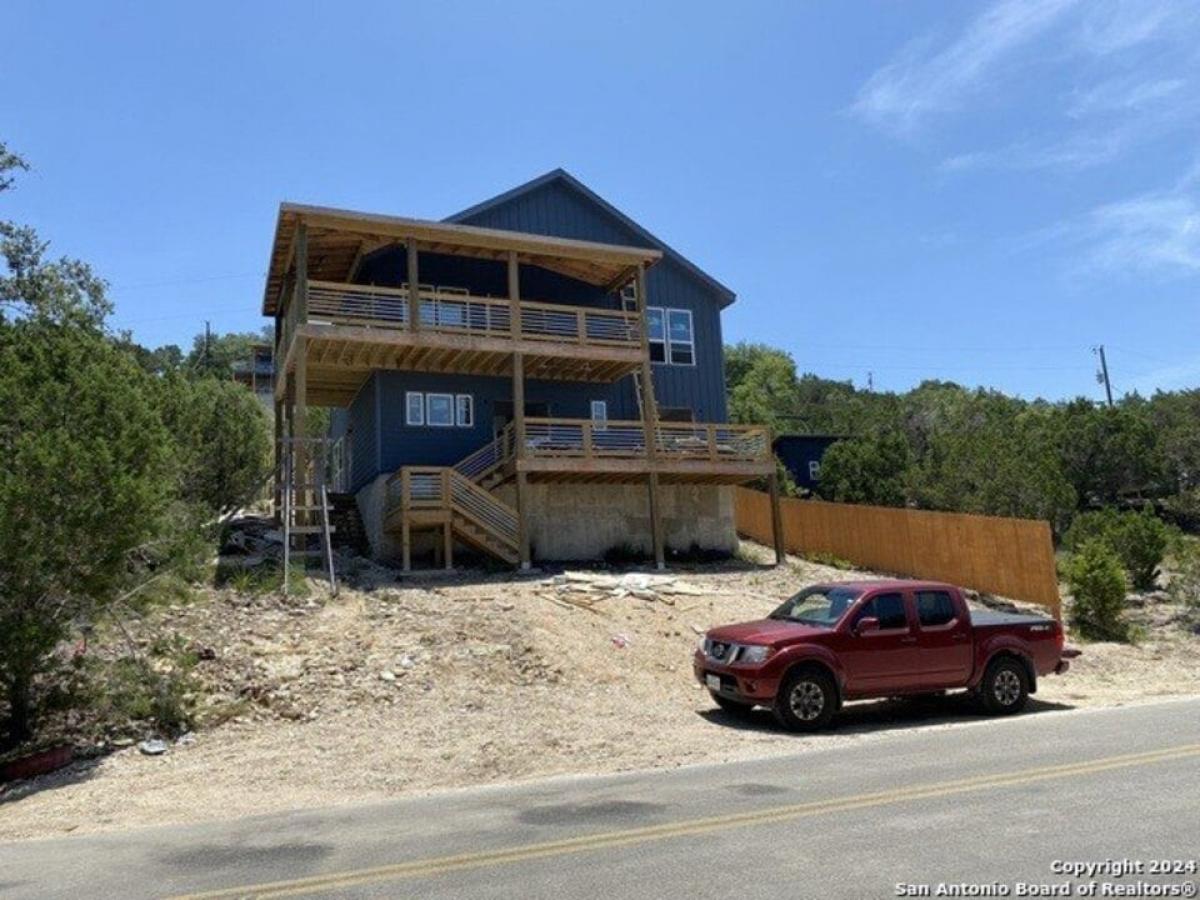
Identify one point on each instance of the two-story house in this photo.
(537, 376)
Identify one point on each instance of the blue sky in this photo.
(972, 191)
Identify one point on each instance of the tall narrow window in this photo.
(439, 410)
(414, 408)
(464, 409)
(682, 340)
(599, 414)
(656, 331)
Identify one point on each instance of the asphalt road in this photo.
(993, 802)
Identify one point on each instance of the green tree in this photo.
(866, 470)
(762, 386)
(1140, 540)
(84, 479)
(1098, 591)
(215, 354)
(220, 432)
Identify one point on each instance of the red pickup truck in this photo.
(851, 640)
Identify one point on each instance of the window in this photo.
(683, 346)
(671, 336)
(439, 410)
(887, 608)
(934, 608)
(600, 414)
(414, 408)
(464, 411)
(656, 332)
(814, 470)
(675, 414)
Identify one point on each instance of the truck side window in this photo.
(887, 608)
(934, 608)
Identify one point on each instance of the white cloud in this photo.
(1114, 25)
(1123, 95)
(1078, 152)
(1157, 232)
(899, 95)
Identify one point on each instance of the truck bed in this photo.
(983, 618)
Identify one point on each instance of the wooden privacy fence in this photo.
(1010, 557)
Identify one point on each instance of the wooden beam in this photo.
(656, 526)
(301, 295)
(776, 519)
(414, 286)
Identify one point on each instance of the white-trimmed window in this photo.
(672, 336)
(414, 408)
(439, 410)
(680, 338)
(599, 414)
(657, 333)
(464, 410)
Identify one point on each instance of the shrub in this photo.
(1184, 586)
(1098, 586)
(1140, 539)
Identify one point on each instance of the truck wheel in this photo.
(1005, 687)
(806, 701)
(732, 707)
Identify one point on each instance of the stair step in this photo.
(295, 553)
(310, 529)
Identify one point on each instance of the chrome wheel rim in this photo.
(1007, 687)
(807, 700)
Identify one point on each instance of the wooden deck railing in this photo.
(450, 312)
(585, 438)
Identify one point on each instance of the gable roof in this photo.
(563, 177)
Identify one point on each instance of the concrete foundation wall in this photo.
(583, 521)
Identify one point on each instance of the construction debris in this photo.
(585, 589)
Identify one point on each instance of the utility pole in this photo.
(1102, 375)
(870, 381)
(206, 338)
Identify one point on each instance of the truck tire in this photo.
(1005, 687)
(806, 701)
(733, 707)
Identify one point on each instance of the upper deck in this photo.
(339, 331)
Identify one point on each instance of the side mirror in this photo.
(866, 625)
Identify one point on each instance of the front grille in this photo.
(724, 652)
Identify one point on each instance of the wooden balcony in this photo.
(353, 329)
(581, 450)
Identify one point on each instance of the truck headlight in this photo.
(702, 644)
(754, 654)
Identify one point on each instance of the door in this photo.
(885, 660)
(502, 413)
(943, 641)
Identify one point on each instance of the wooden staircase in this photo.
(443, 497)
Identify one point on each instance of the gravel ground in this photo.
(393, 687)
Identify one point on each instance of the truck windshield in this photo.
(823, 605)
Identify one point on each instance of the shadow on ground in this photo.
(871, 716)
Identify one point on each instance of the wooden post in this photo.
(300, 457)
(414, 288)
(277, 501)
(776, 519)
(405, 528)
(650, 422)
(448, 546)
(518, 377)
(514, 294)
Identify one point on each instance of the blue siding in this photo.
(556, 209)
(363, 435)
(438, 446)
(380, 439)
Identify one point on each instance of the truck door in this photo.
(944, 643)
(885, 660)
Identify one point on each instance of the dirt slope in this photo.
(394, 687)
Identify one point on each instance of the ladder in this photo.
(305, 493)
(629, 304)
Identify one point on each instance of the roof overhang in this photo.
(338, 238)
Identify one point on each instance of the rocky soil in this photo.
(399, 685)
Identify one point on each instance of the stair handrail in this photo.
(480, 463)
(484, 507)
